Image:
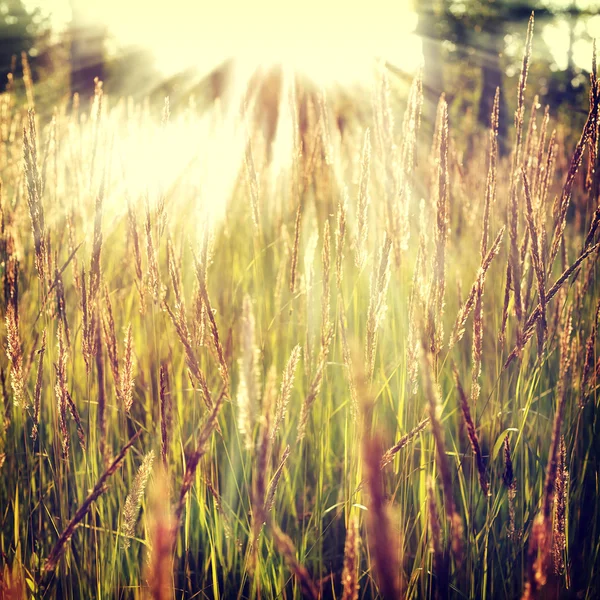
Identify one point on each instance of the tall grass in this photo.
(286, 329)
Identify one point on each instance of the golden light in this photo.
(329, 42)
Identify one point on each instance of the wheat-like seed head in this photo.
(134, 498)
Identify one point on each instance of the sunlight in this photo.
(327, 42)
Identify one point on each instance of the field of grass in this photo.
(357, 364)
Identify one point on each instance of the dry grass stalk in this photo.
(565, 197)
(179, 320)
(540, 542)
(6, 417)
(75, 415)
(14, 351)
(340, 238)
(432, 395)
(326, 291)
(513, 220)
(388, 455)
(350, 585)
(110, 340)
(175, 275)
(348, 362)
(362, 208)
(377, 302)
(286, 548)
(325, 128)
(314, 146)
(262, 458)
(472, 433)
(294, 257)
(261, 499)
(490, 198)
(434, 153)
(101, 423)
(559, 540)
(134, 498)
(166, 410)
(96, 118)
(531, 138)
(475, 292)
(280, 279)
(548, 171)
(595, 134)
(153, 273)
(134, 236)
(383, 544)
(529, 327)
(61, 391)
(438, 282)
(309, 278)
(11, 276)
(127, 383)
(34, 197)
(214, 331)
(510, 483)
(561, 392)
(199, 317)
(395, 190)
(100, 487)
(477, 349)
(266, 435)
(37, 395)
(272, 488)
(538, 266)
(315, 386)
(95, 266)
(159, 573)
(89, 324)
(59, 290)
(538, 171)
(219, 506)
(285, 392)
(440, 561)
(416, 305)
(593, 225)
(253, 184)
(192, 462)
(504, 318)
(408, 163)
(248, 396)
(490, 188)
(7, 413)
(27, 80)
(73, 247)
(588, 362)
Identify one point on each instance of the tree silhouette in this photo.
(21, 30)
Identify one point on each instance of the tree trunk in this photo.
(433, 69)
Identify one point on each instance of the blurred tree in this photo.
(482, 29)
(88, 35)
(431, 30)
(464, 49)
(21, 30)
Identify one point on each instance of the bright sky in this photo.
(557, 36)
(328, 39)
(319, 36)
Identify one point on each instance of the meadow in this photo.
(347, 362)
